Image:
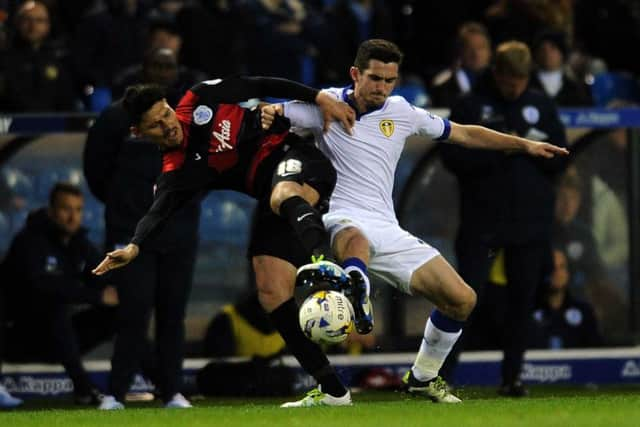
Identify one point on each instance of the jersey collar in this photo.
(346, 91)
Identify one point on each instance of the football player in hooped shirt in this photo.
(211, 143)
(365, 233)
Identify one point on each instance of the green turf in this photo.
(610, 407)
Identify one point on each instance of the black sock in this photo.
(308, 354)
(307, 224)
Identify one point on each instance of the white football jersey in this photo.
(366, 161)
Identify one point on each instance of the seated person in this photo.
(45, 274)
(560, 320)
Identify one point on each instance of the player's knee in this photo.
(283, 191)
(466, 303)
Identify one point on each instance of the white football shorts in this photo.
(394, 252)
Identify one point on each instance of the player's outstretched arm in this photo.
(473, 136)
(305, 115)
(116, 259)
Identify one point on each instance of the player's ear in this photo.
(354, 72)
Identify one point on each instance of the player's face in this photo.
(510, 87)
(66, 212)
(374, 84)
(161, 126)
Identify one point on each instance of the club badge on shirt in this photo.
(202, 115)
(387, 127)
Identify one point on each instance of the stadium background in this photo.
(38, 149)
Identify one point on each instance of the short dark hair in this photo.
(63, 188)
(138, 99)
(379, 49)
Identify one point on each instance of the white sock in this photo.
(436, 345)
(362, 273)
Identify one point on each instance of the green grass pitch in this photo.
(547, 406)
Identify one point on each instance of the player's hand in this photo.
(116, 259)
(544, 149)
(110, 296)
(332, 109)
(268, 114)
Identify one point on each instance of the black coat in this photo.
(572, 93)
(506, 198)
(35, 80)
(40, 270)
(121, 172)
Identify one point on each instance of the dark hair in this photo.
(382, 50)
(138, 99)
(63, 188)
(557, 38)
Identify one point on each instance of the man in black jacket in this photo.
(506, 200)
(46, 272)
(162, 276)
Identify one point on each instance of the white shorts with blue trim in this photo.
(394, 252)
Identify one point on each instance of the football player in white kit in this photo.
(365, 233)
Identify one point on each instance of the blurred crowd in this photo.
(78, 55)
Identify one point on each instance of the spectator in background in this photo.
(44, 277)
(33, 73)
(574, 237)
(473, 55)
(550, 52)
(506, 200)
(560, 320)
(164, 34)
(110, 37)
(213, 34)
(160, 66)
(351, 22)
(523, 19)
(121, 172)
(280, 34)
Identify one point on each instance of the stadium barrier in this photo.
(374, 371)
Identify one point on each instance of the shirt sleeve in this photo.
(303, 115)
(175, 189)
(237, 89)
(430, 125)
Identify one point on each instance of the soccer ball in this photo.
(326, 317)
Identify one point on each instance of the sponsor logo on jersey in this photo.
(224, 136)
(202, 115)
(387, 127)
